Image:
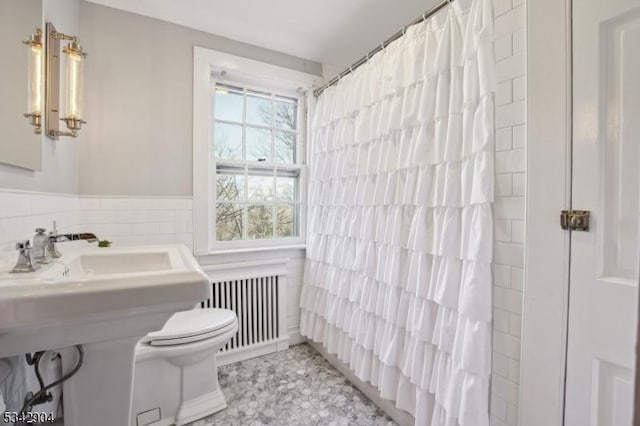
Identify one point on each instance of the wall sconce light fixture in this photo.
(73, 79)
(34, 99)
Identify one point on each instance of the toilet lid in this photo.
(194, 325)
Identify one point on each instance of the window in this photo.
(249, 153)
(255, 146)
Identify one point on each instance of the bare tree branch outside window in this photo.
(254, 203)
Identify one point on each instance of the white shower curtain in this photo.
(397, 280)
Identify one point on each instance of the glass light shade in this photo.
(35, 89)
(75, 60)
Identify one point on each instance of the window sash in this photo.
(272, 169)
(245, 125)
(273, 206)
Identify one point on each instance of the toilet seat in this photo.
(192, 326)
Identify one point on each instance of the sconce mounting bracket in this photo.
(52, 72)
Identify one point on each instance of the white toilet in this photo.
(176, 373)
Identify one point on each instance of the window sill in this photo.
(300, 246)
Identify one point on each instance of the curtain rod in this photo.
(384, 44)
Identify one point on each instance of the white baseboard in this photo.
(241, 354)
(399, 416)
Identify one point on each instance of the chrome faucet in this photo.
(52, 250)
(84, 236)
(24, 263)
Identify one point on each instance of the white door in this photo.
(606, 177)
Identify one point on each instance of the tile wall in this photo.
(139, 220)
(510, 156)
(22, 212)
(127, 221)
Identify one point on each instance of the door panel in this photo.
(612, 401)
(605, 179)
(621, 145)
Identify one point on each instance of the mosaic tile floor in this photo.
(295, 387)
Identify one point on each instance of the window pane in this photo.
(229, 187)
(260, 188)
(285, 116)
(285, 220)
(258, 144)
(286, 189)
(259, 222)
(259, 110)
(228, 105)
(227, 142)
(228, 222)
(285, 147)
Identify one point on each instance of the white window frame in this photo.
(251, 74)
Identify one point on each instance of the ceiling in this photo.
(333, 32)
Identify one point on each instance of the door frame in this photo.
(547, 246)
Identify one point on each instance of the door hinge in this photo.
(575, 220)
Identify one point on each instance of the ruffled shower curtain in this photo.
(397, 281)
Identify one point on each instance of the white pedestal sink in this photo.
(105, 300)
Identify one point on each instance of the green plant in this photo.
(104, 243)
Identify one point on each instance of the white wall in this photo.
(21, 212)
(59, 172)
(139, 90)
(509, 209)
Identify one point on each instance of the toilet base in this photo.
(200, 407)
(195, 409)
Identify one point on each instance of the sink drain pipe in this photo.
(42, 395)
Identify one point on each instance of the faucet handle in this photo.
(24, 263)
(23, 245)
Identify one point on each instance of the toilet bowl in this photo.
(176, 374)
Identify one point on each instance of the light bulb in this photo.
(75, 61)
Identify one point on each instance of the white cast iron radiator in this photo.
(256, 292)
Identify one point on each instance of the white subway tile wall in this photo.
(139, 220)
(509, 209)
(127, 221)
(22, 212)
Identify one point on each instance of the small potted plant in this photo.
(104, 243)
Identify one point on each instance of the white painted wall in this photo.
(139, 97)
(59, 172)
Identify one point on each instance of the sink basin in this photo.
(121, 263)
(86, 285)
(105, 299)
